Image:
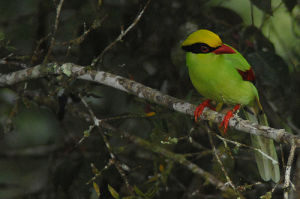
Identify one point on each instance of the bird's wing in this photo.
(240, 63)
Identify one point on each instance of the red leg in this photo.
(228, 116)
(198, 111)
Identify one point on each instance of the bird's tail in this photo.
(266, 157)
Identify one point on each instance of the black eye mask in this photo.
(198, 48)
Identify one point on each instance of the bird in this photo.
(221, 74)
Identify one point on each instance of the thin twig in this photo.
(108, 165)
(229, 181)
(122, 34)
(245, 187)
(78, 40)
(36, 152)
(170, 155)
(37, 50)
(287, 174)
(179, 158)
(4, 61)
(238, 144)
(116, 163)
(58, 11)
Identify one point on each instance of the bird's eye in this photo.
(204, 49)
(198, 48)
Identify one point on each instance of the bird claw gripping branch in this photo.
(227, 117)
(199, 110)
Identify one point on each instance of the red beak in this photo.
(224, 49)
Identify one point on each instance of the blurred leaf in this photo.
(226, 14)
(99, 3)
(97, 23)
(87, 132)
(236, 149)
(290, 4)
(96, 188)
(67, 71)
(170, 140)
(2, 36)
(296, 29)
(264, 5)
(254, 34)
(151, 192)
(150, 114)
(272, 73)
(94, 169)
(113, 192)
(161, 168)
(268, 195)
(138, 191)
(152, 179)
(128, 197)
(173, 140)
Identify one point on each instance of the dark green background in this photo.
(40, 129)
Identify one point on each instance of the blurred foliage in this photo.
(43, 120)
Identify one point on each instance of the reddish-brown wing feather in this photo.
(248, 75)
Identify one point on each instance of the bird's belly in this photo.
(220, 87)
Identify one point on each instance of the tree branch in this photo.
(142, 91)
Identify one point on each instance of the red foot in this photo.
(227, 117)
(198, 111)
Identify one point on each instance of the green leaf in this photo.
(173, 140)
(67, 69)
(128, 197)
(99, 3)
(138, 191)
(290, 4)
(97, 189)
(86, 133)
(2, 36)
(151, 192)
(268, 195)
(170, 140)
(94, 169)
(113, 192)
(236, 149)
(264, 5)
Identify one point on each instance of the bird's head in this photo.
(205, 41)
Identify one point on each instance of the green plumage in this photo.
(216, 77)
(267, 166)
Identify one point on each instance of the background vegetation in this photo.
(49, 148)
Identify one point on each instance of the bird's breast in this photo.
(217, 81)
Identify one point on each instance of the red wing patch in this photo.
(248, 75)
